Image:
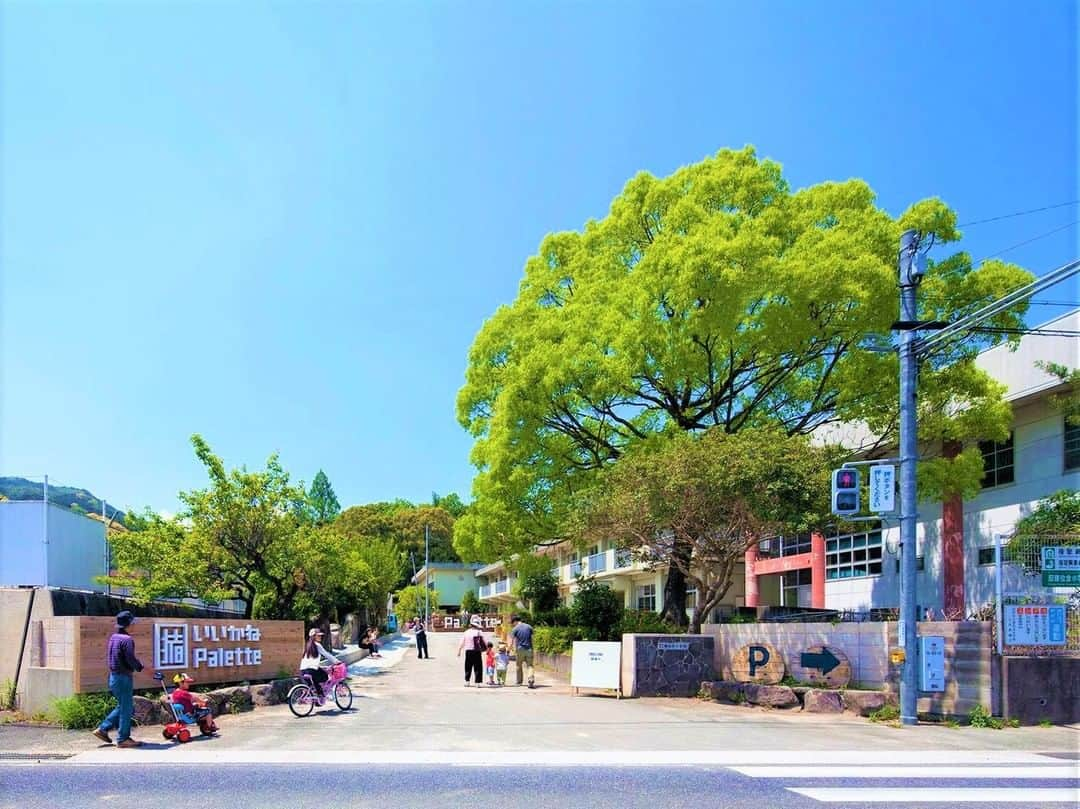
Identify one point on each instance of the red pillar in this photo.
(817, 571)
(750, 558)
(952, 548)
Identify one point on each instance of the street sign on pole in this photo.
(1061, 566)
(883, 488)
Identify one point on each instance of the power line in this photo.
(1019, 330)
(1018, 213)
(1054, 303)
(1029, 241)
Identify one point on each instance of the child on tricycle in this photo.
(188, 709)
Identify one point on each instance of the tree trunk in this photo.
(675, 589)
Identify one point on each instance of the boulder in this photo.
(263, 694)
(822, 701)
(724, 691)
(864, 703)
(773, 696)
(230, 700)
(150, 711)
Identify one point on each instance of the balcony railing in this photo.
(575, 569)
(597, 563)
(485, 590)
(502, 586)
(623, 558)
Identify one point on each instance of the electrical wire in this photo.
(1028, 241)
(1018, 213)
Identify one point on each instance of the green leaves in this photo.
(716, 297)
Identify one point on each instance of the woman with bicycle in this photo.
(314, 655)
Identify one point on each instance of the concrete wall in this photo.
(1038, 688)
(970, 678)
(452, 583)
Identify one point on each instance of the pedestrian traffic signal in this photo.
(845, 491)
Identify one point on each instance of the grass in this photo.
(81, 711)
(1045, 723)
(886, 713)
(7, 695)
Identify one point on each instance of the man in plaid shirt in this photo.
(123, 664)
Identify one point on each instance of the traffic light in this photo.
(845, 491)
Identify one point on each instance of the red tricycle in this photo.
(305, 695)
(178, 728)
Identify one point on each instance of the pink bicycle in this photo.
(305, 695)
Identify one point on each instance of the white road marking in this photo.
(919, 795)
(999, 770)
(210, 753)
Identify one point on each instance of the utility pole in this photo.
(427, 574)
(910, 272)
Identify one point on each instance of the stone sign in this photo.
(758, 663)
(825, 666)
(666, 666)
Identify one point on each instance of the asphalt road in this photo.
(45, 786)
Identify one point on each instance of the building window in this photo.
(691, 598)
(1072, 446)
(987, 556)
(853, 555)
(920, 564)
(997, 462)
(646, 597)
(790, 583)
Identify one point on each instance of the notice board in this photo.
(596, 664)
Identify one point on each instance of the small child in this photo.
(502, 663)
(489, 663)
(194, 705)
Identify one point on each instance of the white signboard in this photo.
(932, 657)
(184, 645)
(1034, 624)
(883, 488)
(596, 665)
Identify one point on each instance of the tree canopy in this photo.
(697, 502)
(715, 298)
(322, 501)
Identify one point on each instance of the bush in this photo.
(7, 695)
(646, 622)
(540, 589)
(979, 717)
(556, 639)
(556, 617)
(82, 711)
(597, 610)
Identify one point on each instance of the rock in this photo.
(864, 703)
(230, 700)
(774, 696)
(821, 701)
(147, 711)
(723, 691)
(262, 695)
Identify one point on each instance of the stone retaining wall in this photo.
(810, 700)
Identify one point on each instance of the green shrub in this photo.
(556, 639)
(646, 622)
(597, 610)
(886, 713)
(82, 711)
(540, 589)
(7, 695)
(560, 616)
(979, 717)
(1045, 723)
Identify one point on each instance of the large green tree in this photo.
(404, 522)
(716, 297)
(322, 501)
(697, 502)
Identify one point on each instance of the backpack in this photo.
(478, 642)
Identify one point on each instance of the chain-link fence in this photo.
(1038, 584)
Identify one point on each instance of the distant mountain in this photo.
(67, 496)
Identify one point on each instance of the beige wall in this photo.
(13, 606)
(969, 673)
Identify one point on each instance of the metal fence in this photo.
(1038, 606)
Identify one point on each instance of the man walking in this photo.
(521, 643)
(123, 664)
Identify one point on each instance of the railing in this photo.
(623, 558)
(575, 569)
(597, 562)
(502, 586)
(485, 590)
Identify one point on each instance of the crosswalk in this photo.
(958, 777)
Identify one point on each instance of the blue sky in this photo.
(281, 226)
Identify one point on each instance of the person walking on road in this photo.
(420, 631)
(521, 643)
(474, 646)
(122, 662)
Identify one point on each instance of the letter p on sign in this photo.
(759, 656)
